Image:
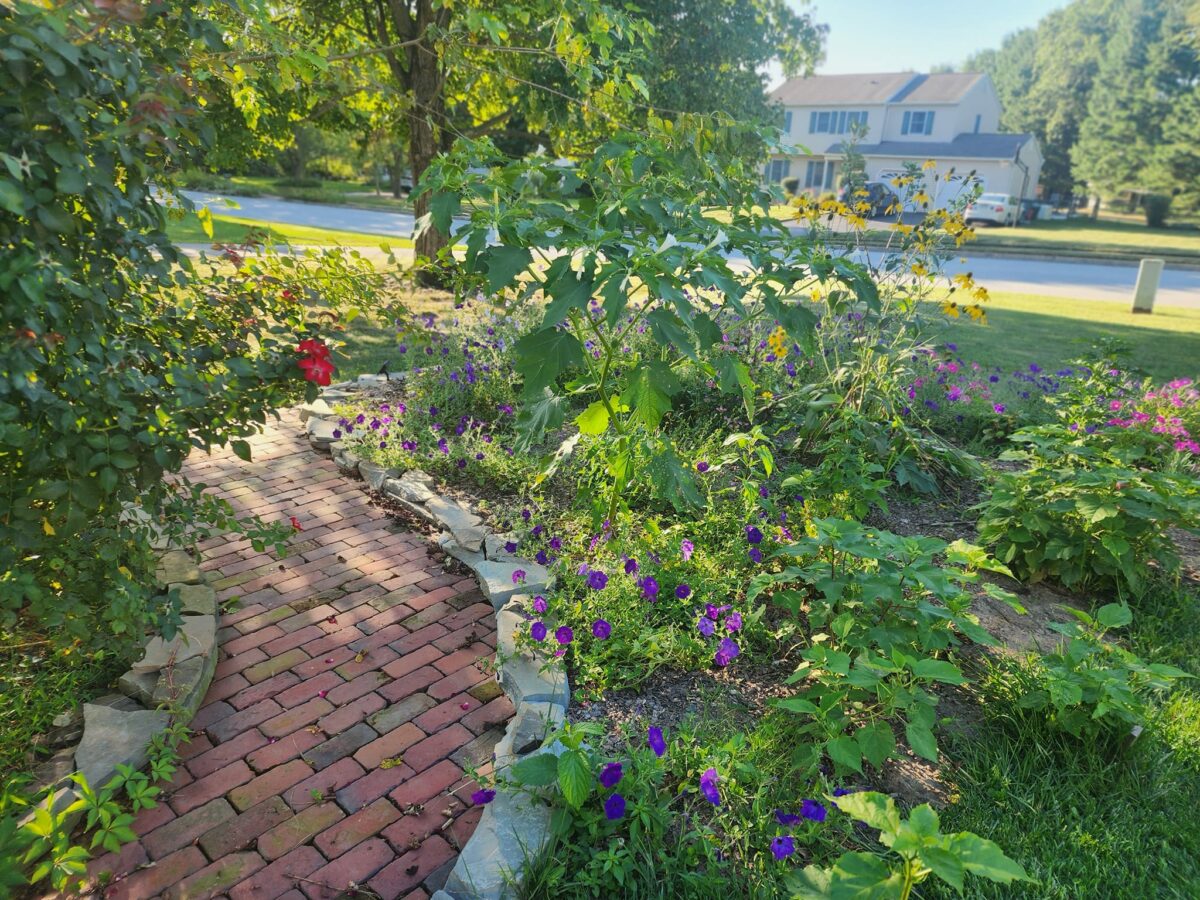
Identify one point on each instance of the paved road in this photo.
(1086, 281)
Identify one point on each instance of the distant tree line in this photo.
(1111, 88)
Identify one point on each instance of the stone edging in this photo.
(514, 828)
(117, 729)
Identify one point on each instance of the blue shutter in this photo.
(812, 123)
(828, 173)
(787, 169)
(905, 121)
(787, 122)
(929, 123)
(808, 174)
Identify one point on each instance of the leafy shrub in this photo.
(1156, 207)
(1092, 684)
(1077, 515)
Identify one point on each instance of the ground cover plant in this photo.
(698, 448)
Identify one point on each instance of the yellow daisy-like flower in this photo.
(777, 341)
(975, 311)
(929, 164)
(919, 269)
(816, 295)
(950, 309)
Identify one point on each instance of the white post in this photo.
(1147, 285)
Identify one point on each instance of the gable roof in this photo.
(965, 146)
(890, 87)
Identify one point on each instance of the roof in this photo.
(965, 146)
(888, 87)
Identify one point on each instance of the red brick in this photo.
(483, 613)
(308, 688)
(345, 716)
(155, 817)
(464, 678)
(239, 833)
(293, 639)
(357, 686)
(264, 619)
(231, 726)
(436, 594)
(280, 876)
(343, 772)
(389, 745)
(225, 688)
(271, 689)
(208, 714)
(296, 717)
(399, 876)
(225, 753)
(374, 659)
(238, 663)
(493, 713)
(352, 831)
(372, 786)
(340, 638)
(210, 787)
(213, 879)
(128, 858)
(152, 881)
(409, 684)
(416, 827)
(443, 714)
(464, 826)
(307, 618)
(323, 662)
(284, 748)
(252, 640)
(194, 746)
(273, 781)
(432, 782)
(410, 662)
(356, 866)
(419, 638)
(437, 747)
(299, 829)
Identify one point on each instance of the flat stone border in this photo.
(117, 729)
(515, 827)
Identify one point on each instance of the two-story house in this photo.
(950, 117)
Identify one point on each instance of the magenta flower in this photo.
(601, 629)
(539, 604)
(755, 555)
(564, 635)
(686, 549)
(654, 740)
(733, 622)
(702, 467)
(786, 819)
(727, 651)
(538, 631)
(518, 576)
(631, 567)
(649, 588)
(611, 775)
(753, 535)
(705, 626)
(708, 787)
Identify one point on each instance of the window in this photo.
(777, 170)
(819, 174)
(787, 122)
(917, 121)
(835, 122)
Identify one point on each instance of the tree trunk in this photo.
(424, 117)
(397, 171)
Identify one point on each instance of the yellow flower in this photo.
(929, 164)
(950, 308)
(922, 198)
(777, 341)
(919, 269)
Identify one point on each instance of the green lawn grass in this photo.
(229, 230)
(1086, 234)
(358, 193)
(1051, 331)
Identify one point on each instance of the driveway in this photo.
(1084, 281)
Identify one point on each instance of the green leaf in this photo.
(443, 207)
(733, 376)
(1114, 615)
(204, 214)
(544, 355)
(575, 777)
(845, 752)
(538, 770)
(938, 670)
(875, 809)
(594, 419)
(538, 416)
(985, 858)
(864, 876)
(797, 705)
(921, 740)
(649, 392)
(673, 482)
(945, 865)
(11, 197)
(241, 449)
(568, 290)
(669, 330)
(876, 742)
(503, 264)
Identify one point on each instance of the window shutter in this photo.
(929, 122)
(829, 173)
(812, 122)
(787, 122)
(904, 123)
(787, 169)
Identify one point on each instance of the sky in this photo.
(901, 35)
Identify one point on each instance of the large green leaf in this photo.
(845, 752)
(567, 290)
(985, 858)
(945, 865)
(733, 377)
(669, 330)
(921, 740)
(1114, 615)
(575, 777)
(544, 355)
(649, 392)
(875, 809)
(938, 670)
(538, 770)
(876, 742)
(503, 264)
(673, 482)
(594, 419)
(538, 416)
(442, 210)
(864, 876)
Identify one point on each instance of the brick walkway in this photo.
(351, 689)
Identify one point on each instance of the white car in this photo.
(999, 209)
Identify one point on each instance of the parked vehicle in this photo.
(879, 195)
(998, 209)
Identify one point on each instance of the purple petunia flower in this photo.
(539, 603)
(654, 740)
(686, 549)
(755, 555)
(786, 819)
(702, 467)
(705, 626)
(611, 774)
(998, 408)
(614, 807)
(733, 622)
(708, 787)
(783, 846)
(483, 796)
(538, 631)
(813, 811)
(631, 567)
(727, 651)
(601, 629)
(510, 547)
(753, 535)
(564, 635)
(518, 576)
(597, 580)
(649, 588)
(842, 792)
(683, 591)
